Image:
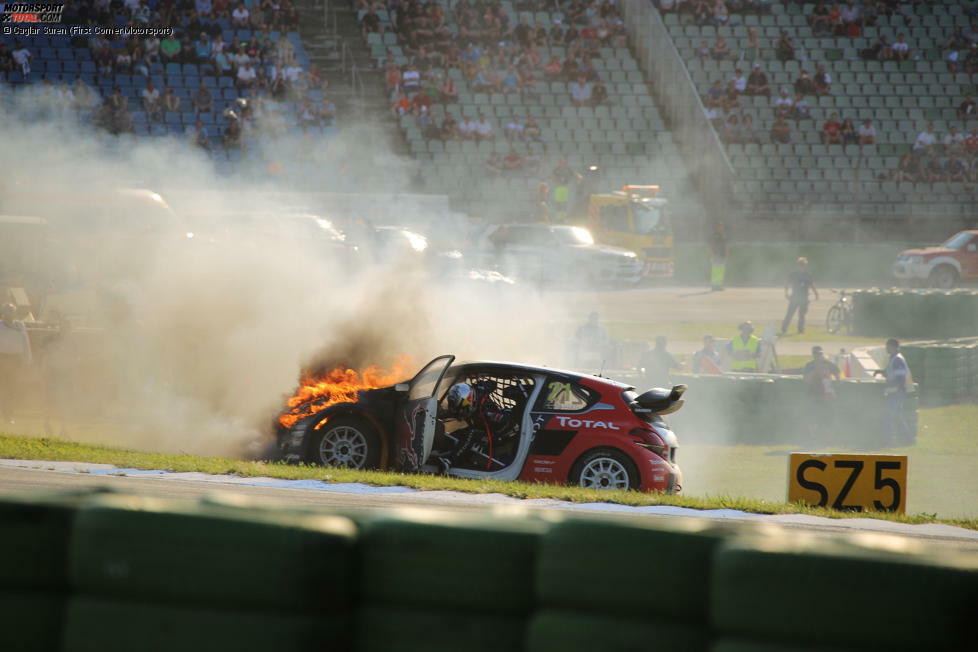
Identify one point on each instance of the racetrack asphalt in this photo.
(31, 476)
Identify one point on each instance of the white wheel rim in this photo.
(344, 446)
(604, 473)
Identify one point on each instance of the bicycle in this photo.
(841, 314)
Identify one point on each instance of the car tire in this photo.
(943, 277)
(605, 468)
(349, 442)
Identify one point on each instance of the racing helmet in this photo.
(461, 400)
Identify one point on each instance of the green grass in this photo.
(27, 448)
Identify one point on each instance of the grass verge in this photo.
(28, 448)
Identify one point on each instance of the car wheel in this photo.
(944, 277)
(346, 441)
(605, 468)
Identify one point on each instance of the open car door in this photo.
(417, 416)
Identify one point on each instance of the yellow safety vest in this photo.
(751, 346)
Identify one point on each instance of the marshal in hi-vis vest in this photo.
(739, 346)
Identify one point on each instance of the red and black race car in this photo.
(563, 427)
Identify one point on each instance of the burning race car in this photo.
(558, 426)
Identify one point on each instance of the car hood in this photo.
(604, 250)
(928, 251)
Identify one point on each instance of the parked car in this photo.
(566, 427)
(943, 266)
(558, 254)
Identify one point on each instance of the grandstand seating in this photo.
(901, 97)
(625, 136)
(57, 60)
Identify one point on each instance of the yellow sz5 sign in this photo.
(849, 482)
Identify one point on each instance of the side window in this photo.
(614, 218)
(564, 396)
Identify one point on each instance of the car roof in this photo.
(532, 369)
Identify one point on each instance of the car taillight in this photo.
(652, 441)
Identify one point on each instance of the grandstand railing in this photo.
(678, 98)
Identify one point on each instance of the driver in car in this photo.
(472, 405)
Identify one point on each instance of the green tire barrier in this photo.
(736, 645)
(401, 629)
(582, 566)
(452, 561)
(763, 409)
(947, 371)
(30, 621)
(570, 631)
(818, 592)
(34, 534)
(164, 550)
(97, 625)
(917, 314)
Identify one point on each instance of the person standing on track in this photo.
(657, 363)
(718, 256)
(796, 291)
(898, 379)
(818, 375)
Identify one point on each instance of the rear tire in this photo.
(348, 442)
(943, 277)
(835, 320)
(605, 468)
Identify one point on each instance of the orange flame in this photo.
(341, 385)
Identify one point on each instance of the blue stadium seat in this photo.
(47, 53)
(173, 69)
(88, 66)
(230, 94)
(171, 117)
(210, 82)
(158, 80)
(174, 80)
(66, 54)
(188, 118)
(207, 118)
(158, 130)
(190, 69)
(71, 66)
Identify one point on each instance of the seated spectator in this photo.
(599, 95)
(713, 114)
(740, 80)
(968, 109)
(494, 164)
(151, 102)
(804, 85)
(512, 161)
(241, 17)
(171, 50)
(580, 92)
(720, 50)
(953, 142)
(780, 132)
(732, 130)
(867, 133)
(466, 128)
(553, 68)
(925, 141)
(22, 57)
(907, 169)
(528, 82)
(823, 81)
(402, 105)
(308, 117)
(757, 83)
(784, 106)
(800, 109)
(721, 15)
(449, 129)
(819, 20)
(849, 135)
(421, 101)
(957, 169)
(483, 129)
(531, 130)
(835, 19)
(247, 76)
(748, 133)
(901, 49)
(851, 17)
(971, 59)
(232, 132)
(879, 50)
(832, 131)
(511, 81)
(170, 101)
(151, 49)
(731, 98)
(701, 12)
(970, 141)
(784, 49)
(716, 92)
(410, 79)
(514, 129)
(202, 48)
(933, 169)
(447, 91)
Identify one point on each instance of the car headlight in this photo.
(916, 260)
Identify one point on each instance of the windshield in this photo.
(959, 241)
(574, 235)
(648, 218)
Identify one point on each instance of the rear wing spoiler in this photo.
(659, 401)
